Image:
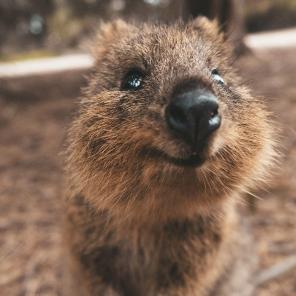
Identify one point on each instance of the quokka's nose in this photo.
(193, 115)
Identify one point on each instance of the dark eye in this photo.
(132, 80)
(217, 77)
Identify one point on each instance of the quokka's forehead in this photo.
(186, 48)
(169, 46)
(121, 45)
(170, 39)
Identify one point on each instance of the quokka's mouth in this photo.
(195, 160)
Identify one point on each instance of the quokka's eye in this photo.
(217, 77)
(132, 80)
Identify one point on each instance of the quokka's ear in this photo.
(209, 27)
(108, 33)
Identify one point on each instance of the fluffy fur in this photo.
(138, 224)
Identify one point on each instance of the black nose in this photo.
(193, 115)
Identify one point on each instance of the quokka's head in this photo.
(165, 119)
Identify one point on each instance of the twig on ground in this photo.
(276, 270)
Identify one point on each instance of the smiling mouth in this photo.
(194, 160)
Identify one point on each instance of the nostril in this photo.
(213, 113)
(178, 115)
(213, 109)
(214, 122)
(176, 118)
(213, 117)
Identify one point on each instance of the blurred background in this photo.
(43, 63)
(30, 28)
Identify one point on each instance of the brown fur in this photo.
(137, 224)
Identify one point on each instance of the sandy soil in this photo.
(32, 127)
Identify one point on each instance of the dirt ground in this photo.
(33, 124)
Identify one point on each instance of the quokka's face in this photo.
(165, 99)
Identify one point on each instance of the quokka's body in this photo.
(166, 140)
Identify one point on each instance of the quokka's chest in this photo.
(179, 256)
